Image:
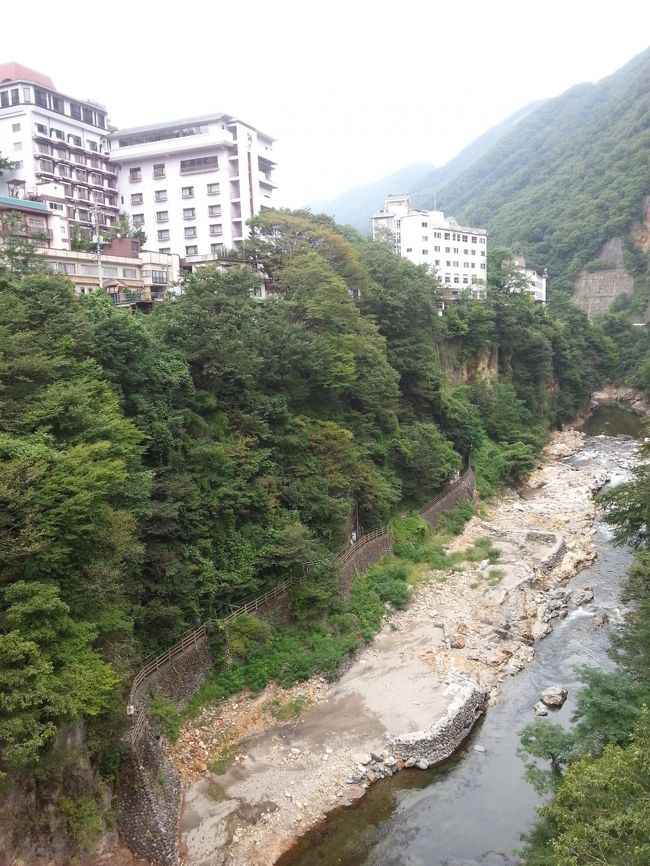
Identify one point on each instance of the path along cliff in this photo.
(409, 698)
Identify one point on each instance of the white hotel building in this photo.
(458, 253)
(191, 185)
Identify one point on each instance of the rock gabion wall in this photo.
(362, 558)
(461, 491)
(149, 801)
(441, 740)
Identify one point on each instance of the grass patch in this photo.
(284, 711)
(216, 792)
(81, 819)
(495, 576)
(220, 764)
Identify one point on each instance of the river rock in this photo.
(479, 748)
(540, 709)
(422, 764)
(600, 618)
(408, 763)
(554, 696)
(362, 758)
(582, 596)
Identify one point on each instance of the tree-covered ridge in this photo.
(569, 177)
(155, 469)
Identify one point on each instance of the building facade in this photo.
(131, 276)
(191, 185)
(536, 279)
(457, 253)
(52, 137)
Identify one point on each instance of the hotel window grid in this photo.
(216, 229)
(187, 192)
(159, 170)
(214, 210)
(160, 195)
(162, 216)
(213, 189)
(138, 219)
(191, 251)
(189, 213)
(135, 175)
(189, 231)
(163, 234)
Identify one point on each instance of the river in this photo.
(472, 810)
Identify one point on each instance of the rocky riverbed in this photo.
(463, 634)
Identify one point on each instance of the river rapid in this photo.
(473, 809)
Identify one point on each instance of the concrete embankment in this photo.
(410, 697)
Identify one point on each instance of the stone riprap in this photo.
(441, 740)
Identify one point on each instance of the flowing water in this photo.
(472, 810)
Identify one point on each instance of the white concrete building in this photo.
(55, 138)
(457, 253)
(192, 184)
(536, 280)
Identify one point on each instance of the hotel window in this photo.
(213, 189)
(473, 239)
(191, 251)
(15, 127)
(18, 145)
(187, 192)
(15, 96)
(75, 110)
(456, 250)
(190, 231)
(216, 248)
(409, 249)
(90, 270)
(164, 250)
(473, 252)
(158, 170)
(436, 249)
(162, 216)
(58, 133)
(425, 237)
(464, 239)
(4, 99)
(135, 175)
(482, 252)
(160, 195)
(465, 280)
(138, 219)
(447, 236)
(163, 234)
(455, 265)
(109, 271)
(425, 252)
(92, 145)
(216, 229)
(482, 266)
(447, 278)
(447, 249)
(40, 97)
(214, 210)
(437, 234)
(481, 240)
(456, 279)
(189, 213)
(203, 163)
(130, 273)
(448, 263)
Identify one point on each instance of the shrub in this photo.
(81, 819)
(245, 634)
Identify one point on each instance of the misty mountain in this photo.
(355, 206)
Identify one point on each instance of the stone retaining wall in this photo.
(149, 800)
(442, 739)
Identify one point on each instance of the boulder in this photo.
(554, 696)
(582, 596)
(422, 764)
(540, 709)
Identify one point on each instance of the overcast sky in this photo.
(352, 89)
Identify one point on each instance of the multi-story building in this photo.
(130, 275)
(53, 137)
(192, 184)
(457, 253)
(536, 279)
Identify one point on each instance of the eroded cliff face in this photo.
(595, 291)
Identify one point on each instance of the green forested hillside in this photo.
(567, 178)
(155, 469)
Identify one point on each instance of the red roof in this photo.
(13, 71)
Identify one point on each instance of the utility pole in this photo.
(98, 247)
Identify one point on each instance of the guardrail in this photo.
(250, 605)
